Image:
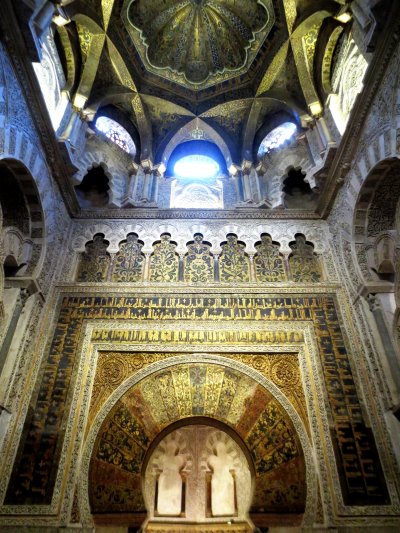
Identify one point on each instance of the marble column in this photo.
(391, 353)
(146, 269)
(146, 191)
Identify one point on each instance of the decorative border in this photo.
(87, 352)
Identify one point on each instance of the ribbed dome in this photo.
(198, 38)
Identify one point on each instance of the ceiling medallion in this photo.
(198, 43)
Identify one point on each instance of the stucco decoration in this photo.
(198, 473)
(129, 261)
(95, 261)
(169, 464)
(224, 38)
(51, 79)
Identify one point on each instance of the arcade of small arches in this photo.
(201, 263)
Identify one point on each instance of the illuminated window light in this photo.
(344, 17)
(196, 167)
(276, 138)
(116, 133)
(48, 78)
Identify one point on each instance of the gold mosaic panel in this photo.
(35, 468)
(113, 368)
(197, 389)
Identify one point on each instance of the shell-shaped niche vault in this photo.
(198, 41)
(164, 440)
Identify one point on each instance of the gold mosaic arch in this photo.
(195, 322)
(198, 389)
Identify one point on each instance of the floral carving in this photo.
(198, 262)
(164, 263)
(233, 263)
(129, 261)
(94, 263)
(304, 265)
(268, 262)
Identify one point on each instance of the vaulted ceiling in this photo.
(235, 64)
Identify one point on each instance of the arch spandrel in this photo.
(212, 391)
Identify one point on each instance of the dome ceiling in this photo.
(219, 68)
(198, 43)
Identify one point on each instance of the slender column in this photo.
(393, 362)
(146, 185)
(257, 187)
(19, 305)
(111, 266)
(252, 268)
(318, 137)
(285, 257)
(5, 417)
(325, 133)
(239, 187)
(335, 109)
(216, 266)
(69, 133)
(181, 267)
(146, 269)
(246, 187)
(155, 186)
(132, 188)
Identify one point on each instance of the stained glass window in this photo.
(276, 138)
(116, 133)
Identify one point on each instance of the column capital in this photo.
(373, 302)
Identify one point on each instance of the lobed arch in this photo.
(182, 235)
(372, 219)
(376, 236)
(171, 257)
(27, 243)
(379, 148)
(130, 388)
(118, 177)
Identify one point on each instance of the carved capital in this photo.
(373, 302)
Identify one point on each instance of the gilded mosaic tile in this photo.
(33, 476)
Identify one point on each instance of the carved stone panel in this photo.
(129, 261)
(197, 473)
(164, 263)
(95, 261)
(304, 265)
(268, 262)
(198, 262)
(233, 263)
